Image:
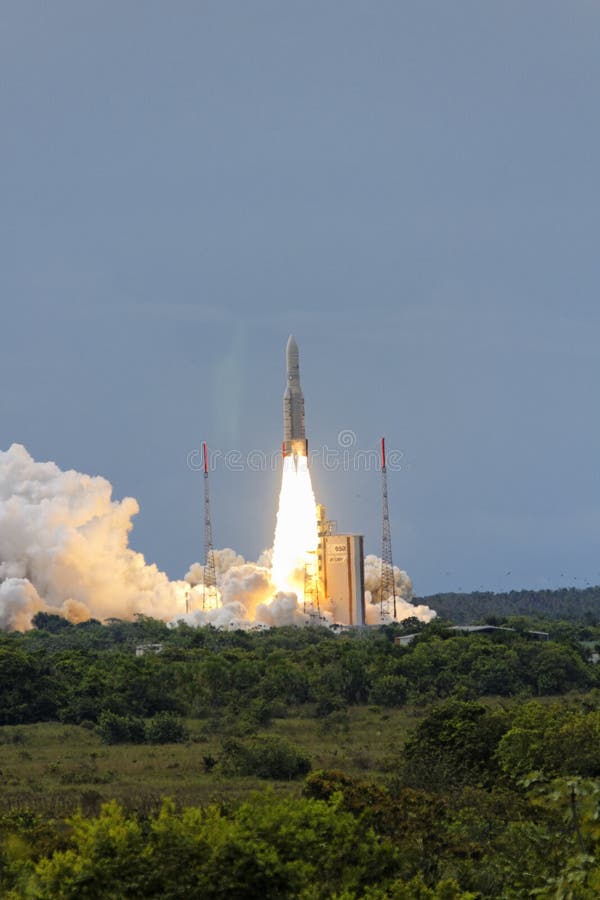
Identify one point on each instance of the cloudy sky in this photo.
(411, 188)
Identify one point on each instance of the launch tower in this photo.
(388, 588)
(210, 576)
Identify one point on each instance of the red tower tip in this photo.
(383, 453)
(205, 457)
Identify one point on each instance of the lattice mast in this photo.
(388, 588)
(311, 586)
(210, 576)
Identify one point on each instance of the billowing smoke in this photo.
(403, 592)
(248, 597)
(224, 560)
(64, 548)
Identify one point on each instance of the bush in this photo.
(165, 728)
(269, 847)
(115, 729)
(264, 757)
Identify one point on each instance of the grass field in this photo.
(53, 769)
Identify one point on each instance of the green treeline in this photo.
(77, 674)
(563, 603)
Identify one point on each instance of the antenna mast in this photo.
(388, 588)
(210, 577)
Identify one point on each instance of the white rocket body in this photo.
(294, 429)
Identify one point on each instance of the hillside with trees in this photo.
(572, 604)
(299, 763)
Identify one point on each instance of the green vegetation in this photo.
(299, 763)
(163, 728)
(78, 673)
(576, 604)
(265, 757)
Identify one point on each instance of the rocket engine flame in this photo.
(296, 530)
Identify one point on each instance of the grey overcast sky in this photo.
(411, 188)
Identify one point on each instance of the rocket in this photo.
(294, 431)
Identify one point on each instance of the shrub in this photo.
(264, 757)
(165, 728)
(115, 729)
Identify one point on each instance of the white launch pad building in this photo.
(341, 567)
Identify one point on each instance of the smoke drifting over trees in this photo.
(64, 548)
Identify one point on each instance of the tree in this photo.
(554, 739)
(389, 690)
(25, 688)
(105, 861)
(50, 622)
(559, 668)
(454, 745)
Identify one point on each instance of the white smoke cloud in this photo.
(224, 560)
(64, 549)
(19, 600)
(403, 591)
(403, 584)
(282, 610)
(246, 596)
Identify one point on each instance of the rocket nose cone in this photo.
(291, 354)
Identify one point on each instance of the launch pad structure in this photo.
(342, 573)
(334, 572)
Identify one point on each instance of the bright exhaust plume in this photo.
(296, 529)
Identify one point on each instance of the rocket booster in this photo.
(294, 431)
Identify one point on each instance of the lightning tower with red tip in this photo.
(210, 576)
(387, 566)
